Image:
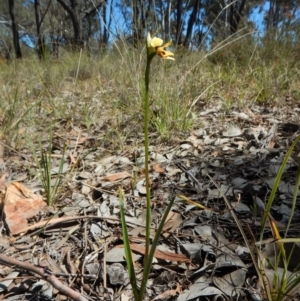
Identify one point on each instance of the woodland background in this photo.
(47, 26)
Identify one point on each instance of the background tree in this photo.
(14, 27)
(164, 12)
(179, 22)
(236, 12)
(39, 17)
(191, 22)
(140, 12)
(78, 11)
(47, 25)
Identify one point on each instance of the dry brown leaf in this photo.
(256, 118)
(169, 293)
(157, 168)
(1, 153)
(2, 180)
(82, 140)
(271, 144)
(116, 176)
(165, 255)
(173, 221)
(251, 113)
(20, 203)
(17, 190)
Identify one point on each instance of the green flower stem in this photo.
(146, 145)
(148, 263)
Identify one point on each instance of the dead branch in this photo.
(48, 276)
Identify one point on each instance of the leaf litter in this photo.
(201, 253)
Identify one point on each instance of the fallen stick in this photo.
(48, 276)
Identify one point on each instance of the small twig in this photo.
(84, 251)
(76, 275)
(104, 266)
(48, 276)
(75, 148)
(53, 221)
(191, 176)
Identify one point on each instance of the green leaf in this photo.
(127, 249)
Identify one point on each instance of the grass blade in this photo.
(295, 195)
(127, 249)
(275, 186)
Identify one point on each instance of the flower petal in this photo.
(168, 58)
(164, 53)
(156, 42)
(155, 46)
(167, 44)
(149, 39)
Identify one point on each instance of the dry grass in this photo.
(91, 91)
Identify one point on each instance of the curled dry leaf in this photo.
(173, 221)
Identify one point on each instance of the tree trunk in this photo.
(179, 22)
(235, 15)
(165, 13)
(14, 28)
(168, 20)
(191, 23)
(77, 25)
(163, 17)
(105, 29)
(135, 23)
(110, 17)
(139, 17)
(76, 19)
(273, 15)
(38, 20)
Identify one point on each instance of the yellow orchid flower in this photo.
(155, 46)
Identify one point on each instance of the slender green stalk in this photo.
(146, 146)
